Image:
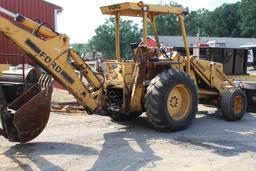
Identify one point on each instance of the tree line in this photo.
(228, 20)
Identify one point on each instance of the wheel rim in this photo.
(179, 102)
(238, 104)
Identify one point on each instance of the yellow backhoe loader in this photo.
(166, 87)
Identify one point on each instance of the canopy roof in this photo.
(135, 9)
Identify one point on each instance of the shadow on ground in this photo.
(117, 150)
(207, 132)
(35, 151)
(129, 148)
(222, 137)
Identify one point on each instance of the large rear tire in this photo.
(233, 104)
(171, 101)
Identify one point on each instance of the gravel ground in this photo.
(90, 142)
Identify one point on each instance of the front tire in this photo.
(233, 104)
(171, 101)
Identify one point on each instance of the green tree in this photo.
(104, 40)
(80, 47)
(167, 25)
(248, 14)
(195, 22)
(224, 21)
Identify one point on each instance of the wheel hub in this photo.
(238, 104)
(179, 102)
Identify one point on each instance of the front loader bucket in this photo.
(26, 117)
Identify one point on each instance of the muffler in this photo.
(26, 117)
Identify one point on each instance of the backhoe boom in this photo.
(50, 50)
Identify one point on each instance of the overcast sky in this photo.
(80, 17)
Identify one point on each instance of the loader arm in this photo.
(212, 74)
(51, 50)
